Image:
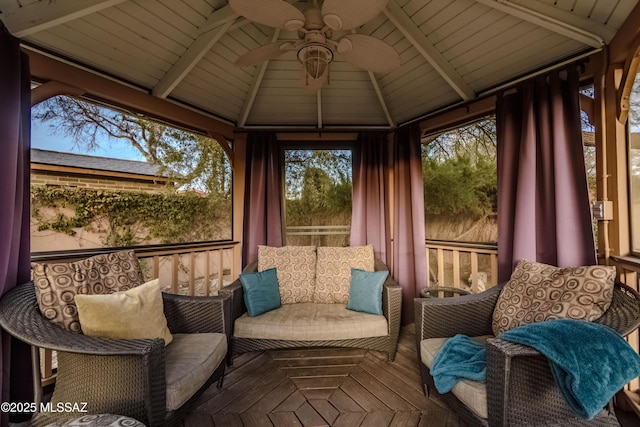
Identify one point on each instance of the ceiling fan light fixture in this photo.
(315, 59)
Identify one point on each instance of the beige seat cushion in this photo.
(537, 292)
(311, 322)
(333, 271)
(189, 361)
(296, 270)
(472, 393)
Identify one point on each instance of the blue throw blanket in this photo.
(460, 357)
(590, 362)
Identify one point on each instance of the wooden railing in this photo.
(185, 269)
(318, 235)
(628, 272)
(318, 230)
(466, 265)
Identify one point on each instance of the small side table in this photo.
(443, 291)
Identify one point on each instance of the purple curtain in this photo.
(263, 196)
(543, 204)
(409, 252)
(370, 212)
(15, 127)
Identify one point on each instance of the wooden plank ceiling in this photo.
(184, 50)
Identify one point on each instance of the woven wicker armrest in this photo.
(520, 386)
(391, 295)
(236, 295)
(234, 290)
(511, 349)
(190, 315)
(446, 317)
(21, 317)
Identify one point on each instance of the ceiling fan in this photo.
(323, 31)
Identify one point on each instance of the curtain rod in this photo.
(504, 86)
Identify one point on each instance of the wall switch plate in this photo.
(602, 210)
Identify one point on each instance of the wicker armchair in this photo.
(391, 307)
(125, 377)
(520, 387)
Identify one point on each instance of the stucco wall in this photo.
(49, 240)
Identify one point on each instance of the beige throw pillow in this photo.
(296, 270)
(133, 314)
(57, 284)
(537, 292)
(333, 274)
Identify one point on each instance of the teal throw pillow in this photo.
(365, 291)
(261, 293)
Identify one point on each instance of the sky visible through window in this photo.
(43, 136)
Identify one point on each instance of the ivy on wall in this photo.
(125, 218)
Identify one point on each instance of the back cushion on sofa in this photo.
(537, 292)
(333, 272)
(296, 270)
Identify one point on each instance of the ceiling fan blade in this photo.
(273, 13)
(349, 14)
(264, 53)
(368, 53)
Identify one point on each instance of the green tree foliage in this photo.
(318, 187)
(459, 171)
(316, 184)
(458, 186)
(336, 163)
(460, 182)
(194, 161)
(131, 218)
(475, 140)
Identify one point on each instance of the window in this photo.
(460, 203)
(103, 177)
(460, 183)
(634, 164)
(318, 197)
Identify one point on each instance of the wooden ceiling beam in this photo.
(606, 32)
(380, 95)
(217, 18)
(255, 85)
(198, 49)
(553, 19)
(416, 37)
(41, 16)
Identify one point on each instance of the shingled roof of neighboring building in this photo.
(48, 157)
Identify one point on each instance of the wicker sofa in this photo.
(316, 324)
(520, 389)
